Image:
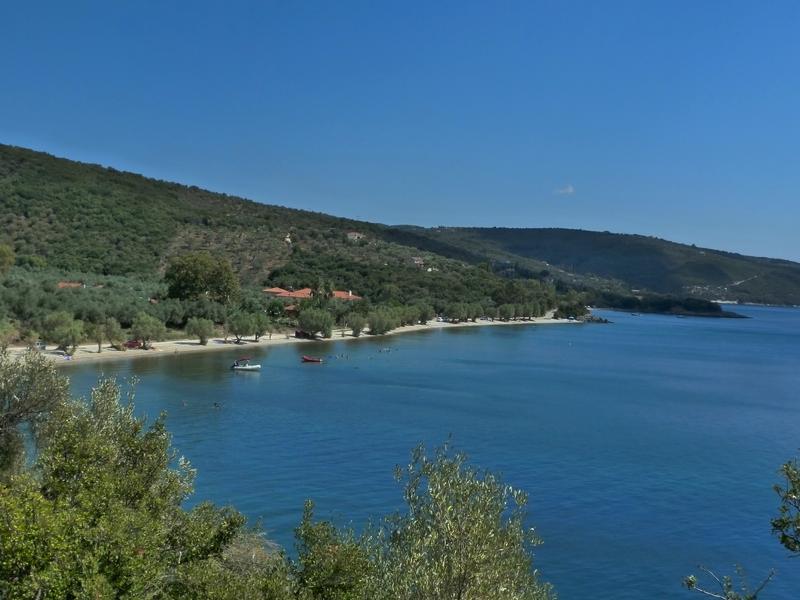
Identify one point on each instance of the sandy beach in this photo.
(86, 353)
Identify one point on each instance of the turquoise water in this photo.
(647, 446)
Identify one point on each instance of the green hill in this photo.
(63, 216)
(88, 218)
(640, 262)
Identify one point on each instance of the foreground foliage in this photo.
(99, 515)
(786, 525)
(463, 536)
(640, 262)
(724, 587)
(29, 392)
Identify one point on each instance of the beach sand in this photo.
(86, 353)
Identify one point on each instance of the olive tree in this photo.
(724, 587)
(506, 312)
(261, 325)
(463, 536)
(29, 389)
(200, 328)
(425, 313)
(96, 332)
(356, 322)
(408, 315)
(240, 324)
(787, 524)
(381, 321)
(103, 517)
(63, 330)
(245, 568)
(331, 564)
(147, 329)
(316, 320)
(114, 333)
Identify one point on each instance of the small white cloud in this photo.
(567, 190)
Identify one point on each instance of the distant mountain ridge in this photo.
(87, 218)
(641, 262)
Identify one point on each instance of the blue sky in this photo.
(679, 119)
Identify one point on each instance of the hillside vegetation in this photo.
(91, 253)
(87, 218)
(639, 262)
(70, 217)
(66, 219)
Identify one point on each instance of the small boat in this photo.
(243, 364)
(311, 359)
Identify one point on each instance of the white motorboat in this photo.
(244, 364)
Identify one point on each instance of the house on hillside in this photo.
(65, 285)
(355, 236)
(306, 293)
(348, 295)
(274, 291)
(301, 294)
(418, 261)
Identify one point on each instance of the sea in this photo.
(648, 446)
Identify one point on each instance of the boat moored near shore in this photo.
(244, 364)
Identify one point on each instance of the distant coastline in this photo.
(87, 353)
(722, 314)
(765, 304)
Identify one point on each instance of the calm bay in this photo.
(647, 446)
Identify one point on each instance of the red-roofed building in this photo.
(62, 285)
(303, 294)
(274, 291)
(348, 295)
(277, 292)
(306, 293)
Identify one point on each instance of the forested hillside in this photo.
(641, 262)
(81, 217)
(83, 246)
(65, 217)
(72, 217)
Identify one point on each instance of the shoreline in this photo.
(87, 353)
